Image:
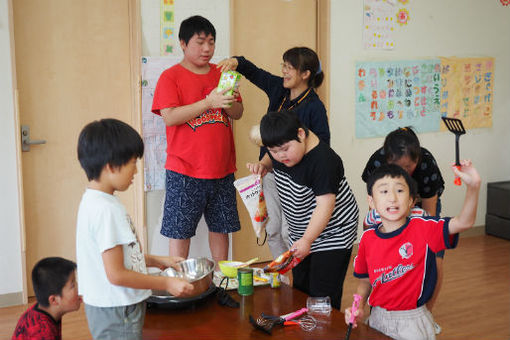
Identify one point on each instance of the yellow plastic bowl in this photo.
(228, 268)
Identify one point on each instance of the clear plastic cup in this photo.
(319, 305)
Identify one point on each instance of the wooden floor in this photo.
(474, 302)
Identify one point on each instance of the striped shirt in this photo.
(320, 172)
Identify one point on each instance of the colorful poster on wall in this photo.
(395, 94)
(378, 25)
(167, 26)
(467, 90)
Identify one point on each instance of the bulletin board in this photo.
(417, 93)
(467, 90)
(394, 94)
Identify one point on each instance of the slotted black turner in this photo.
(455, 125)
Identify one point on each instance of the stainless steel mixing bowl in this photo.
(197, 271)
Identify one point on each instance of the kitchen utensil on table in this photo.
(354, 308)
(307, 323)
(319, 305)
(197, 271)
(267, 322)
(229, 268)
(247, 263)
(455, 125)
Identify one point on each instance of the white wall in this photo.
(10, 250)
(217, 11)
(462, 28)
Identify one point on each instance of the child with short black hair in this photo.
(393, 261)
(201, 160)
(56, 291)
(112, 272)
(402, 147)
(317, 201)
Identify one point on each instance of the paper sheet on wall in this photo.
(167, 27)
(395, 94)
(378, 24)
(153, 127)
(467, 90)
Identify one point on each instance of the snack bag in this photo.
(250, 190)
(283, 263)
(229, 79)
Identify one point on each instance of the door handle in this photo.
(25, 138)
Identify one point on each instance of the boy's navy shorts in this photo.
(187, 198)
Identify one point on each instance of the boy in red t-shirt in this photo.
(56, 290)
(200, 162)
(394, 259)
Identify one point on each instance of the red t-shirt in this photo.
(203, 147)
(37, 324)
(396, 262)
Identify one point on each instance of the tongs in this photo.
(455, 125)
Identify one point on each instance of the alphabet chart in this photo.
(392, 94)
(467, 90)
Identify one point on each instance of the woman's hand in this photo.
(229, 64)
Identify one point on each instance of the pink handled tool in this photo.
(295, 314)
(307, 322)
(354, 308)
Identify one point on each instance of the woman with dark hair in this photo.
(402, 147)
(293, 91)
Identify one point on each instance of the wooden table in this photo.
(206, 319)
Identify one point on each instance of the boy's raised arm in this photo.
(466, 218)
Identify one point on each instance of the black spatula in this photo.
(455, 125)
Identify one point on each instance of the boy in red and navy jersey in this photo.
(54, 281)
(394, 260)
